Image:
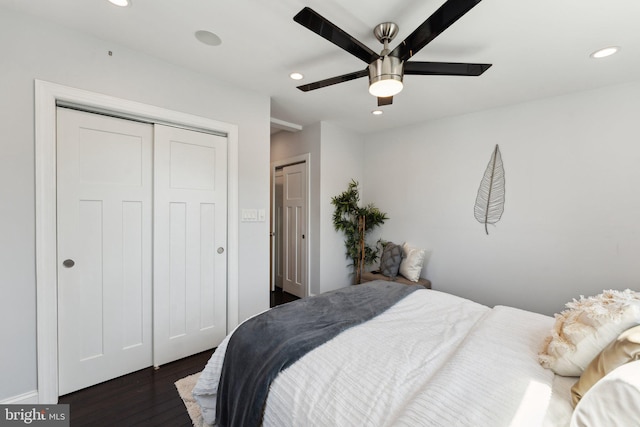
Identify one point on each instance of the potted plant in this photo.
(355, 222)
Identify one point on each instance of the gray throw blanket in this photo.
(265, 345)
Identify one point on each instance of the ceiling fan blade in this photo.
(387, 100)
(444, 68)
(307, 17)
(440, 20)
(334, 80)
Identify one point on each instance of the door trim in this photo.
(46, 96)
(306, 159)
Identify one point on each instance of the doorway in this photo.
(289, 227)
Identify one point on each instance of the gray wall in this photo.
(571, 220)
(34, 49)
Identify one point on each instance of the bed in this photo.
(430, 359)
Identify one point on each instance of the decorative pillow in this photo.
(624, 349)
(390, 259)
(587, 327)
(412, 260)
(613, 401)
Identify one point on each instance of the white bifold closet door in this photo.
(190, 240)
(141, 246)
(104, 168)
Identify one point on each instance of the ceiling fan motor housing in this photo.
(385, 71)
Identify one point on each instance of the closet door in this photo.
(190, 239)
(104, 248)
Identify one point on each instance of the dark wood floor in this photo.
(144, 398)
(281, 297)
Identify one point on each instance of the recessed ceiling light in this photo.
(296, 76)
(377, 112)
(208, 38)
(603, 53)
(121, 3)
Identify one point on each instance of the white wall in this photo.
(34, 49)
(342, 161)
(571, 223)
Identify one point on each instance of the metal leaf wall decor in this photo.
(490, 199)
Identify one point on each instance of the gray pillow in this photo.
(390, 259)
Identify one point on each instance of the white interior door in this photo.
(295, 229)
(104, 248)
(190, 239)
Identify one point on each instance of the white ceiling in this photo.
(538, 48)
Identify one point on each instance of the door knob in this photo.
(220, 250)
(68, 263)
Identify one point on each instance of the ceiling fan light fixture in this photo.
(385, 76)
(385, 88)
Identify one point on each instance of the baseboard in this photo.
(22, 399)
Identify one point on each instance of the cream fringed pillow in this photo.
(586, 327)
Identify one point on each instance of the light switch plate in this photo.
(249, 215)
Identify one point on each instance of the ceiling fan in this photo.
(386, 70)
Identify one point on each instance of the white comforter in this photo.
(433, 359)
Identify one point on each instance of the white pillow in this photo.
(412, 260)
(587, 326)
(613, 401)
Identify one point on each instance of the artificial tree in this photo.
(355, 222)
